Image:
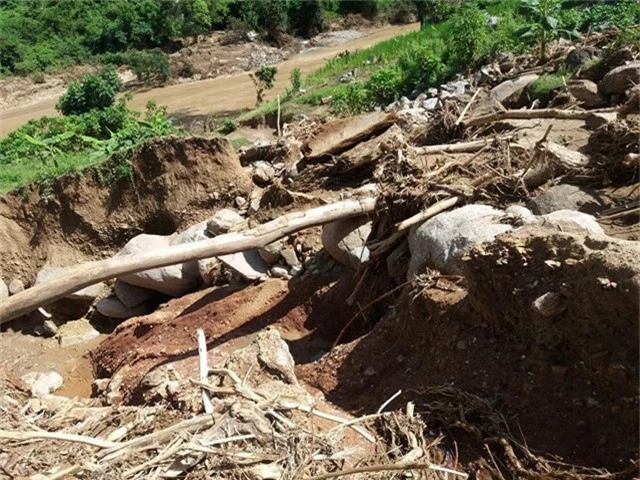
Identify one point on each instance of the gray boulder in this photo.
(174, 280)
(249, 264)
(511, 91)
(271, 252)
(87, 294)
(43, 383)
(566, 197)
(620, 79)
(345, 241)
(570, 220)
(131, 295)
(113, 308)
(441, 241)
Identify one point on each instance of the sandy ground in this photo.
(222, 94)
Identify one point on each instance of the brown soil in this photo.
(565, 385)
(174, 182)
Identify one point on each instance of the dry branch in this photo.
(530, 114)
(388, 468)
(97, 271)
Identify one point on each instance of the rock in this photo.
(566, 197)
(549, 304)
(456, 88)
(432, 92)
(279, 272)
(510, 92)
(223, 221)
(75, 332)
(597, 120)
(263, 174)
(620, 79)
(240, 202)
(255, 200)
(290, 257)
(248, 264)
(251, 36)
(131, 295)
(16, 286)
(49, 328)
(419, 100)
(4, 290)
(114, 308)
(570, 220)
(42, 383)
(580, 56)
(271, 253)
(431, 103)
(344, 240)
(174, 280)
(586, 92)
(265, 471)
(88, 294)
(441, 241)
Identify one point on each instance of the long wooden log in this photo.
(97, 271)
(529, 114)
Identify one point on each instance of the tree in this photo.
(264, 78)
(196, 18)
(92, 92)
(545, 25)
(306, 17)
(272, 19)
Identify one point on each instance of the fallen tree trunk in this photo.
(530, 114)
(463, 147)
(97, 271)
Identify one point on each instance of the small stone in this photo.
(49, 328)
(279, 272)
(223, 221)
(75, 332)
(15, 286)
(461, 345)
(290, 257)
(100, 385)
(263, 173)
(592, 402)
(271, 253)
(295, 270)
(240, 202)
(369, 372)
(43, 383)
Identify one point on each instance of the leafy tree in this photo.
(197, 18)
(92, 92)
(306, 17)
(271, 19)
(264, 79)
(150, 66)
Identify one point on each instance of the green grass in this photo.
(548, 83)
(15, 175)
(240, 142)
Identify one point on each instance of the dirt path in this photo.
(220, 94)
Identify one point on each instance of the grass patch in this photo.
(240, 142)
(544, 87)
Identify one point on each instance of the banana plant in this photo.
(545, 25)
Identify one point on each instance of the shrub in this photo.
(544, 87)
(296, 82)
(228, 126)
(92, 92)
(421, 66)
(351, 100)
(151, 66)
(471, 36)
(385, 85)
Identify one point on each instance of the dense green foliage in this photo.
(92, 92)
(264, 79)
(50, 146)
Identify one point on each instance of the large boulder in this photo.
(87, 294)
(345, 241)
(173, 280)
(566, 197)
(510, 92)
(620, 79)
(114, 308)
(131, 295)
(441, 242)
(586, 92)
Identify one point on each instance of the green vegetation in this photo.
(93, 128)
(240, 142)
(543, 88)
(264, 79)
(228, 126)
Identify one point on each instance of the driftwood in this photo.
(531, 114)
(369, 152)
(97, 271)
(554, 157)
(462, 147)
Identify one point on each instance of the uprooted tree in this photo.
(264, 79)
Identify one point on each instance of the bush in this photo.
(263, 79)
(471, 37)
(351, 100)
(150, 67)
(544, 87)
(385, 85)
(296, 82)
(421, 66)
(228, 126)
(92, 92)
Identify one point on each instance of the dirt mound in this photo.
(160, 187)
(565, 373)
